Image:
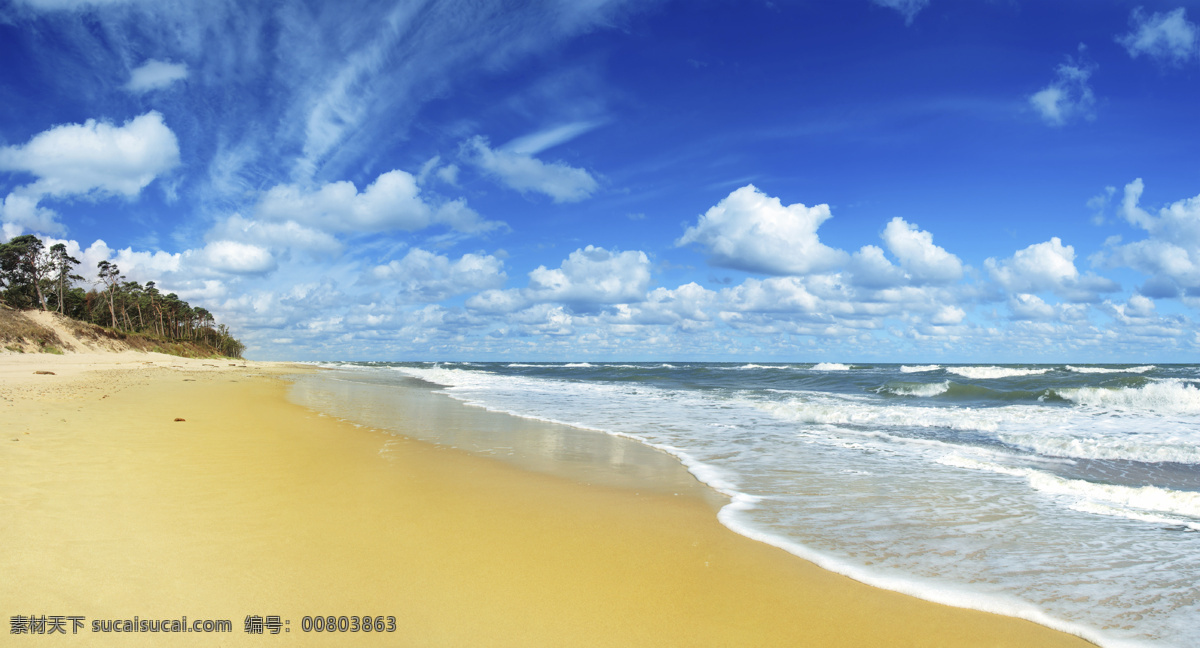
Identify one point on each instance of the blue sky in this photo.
(854, 180)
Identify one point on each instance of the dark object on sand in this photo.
(178, 420)
(44, 373)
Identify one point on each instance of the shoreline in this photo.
(254, 505)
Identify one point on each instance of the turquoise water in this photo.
(1065, 494)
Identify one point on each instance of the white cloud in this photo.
(75, 159)
(1171, 253)
(155, 75)
(749, 230)
(773, 295)
(1047, 266)
(948, 315)
(1042, 266)
(1030, 307)
(237, 258)
(1167, 37)
(21, 213)
(497, 301)
(1099, 204)
(1067, 97)
(592, 275)
(535, 143)
(286, 234)
(427, 276)
(448, 174)
(393, 201)
(923, 261)
(871, 269)
(523, 172)
(589, 278)
(907, 8)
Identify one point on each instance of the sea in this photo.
(1065, 494)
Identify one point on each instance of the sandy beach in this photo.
(251, 505)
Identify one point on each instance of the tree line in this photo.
(32, 276)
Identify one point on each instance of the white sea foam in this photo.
(938, 592)
(518, 364)
(1172, 441)
(1166, 396)
(1110, 370)
(579, 365)
(727, 441)
(918, 368)
(824, 409)
(1102, 509)
(1146, 498)
(924, 390)
(830, 366)
(988, 373)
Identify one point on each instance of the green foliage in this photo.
(31, 277)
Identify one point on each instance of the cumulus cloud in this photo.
(155, 75)
(587, 279)
(593, 275)
(237, 258)
(75, 159)
(521, 171)
(923, 261)
(773, 295)
(751, 231)
(275, 235)
(393, 201)
(1047, 266)
(1168, 37)
(871, 269)
(20, 213)
(1068, 96)
(907, 8)
(426, 276)
(1171, 252)
(1024, 306)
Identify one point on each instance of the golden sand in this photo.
(111, 509)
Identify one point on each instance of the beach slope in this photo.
(114, 508)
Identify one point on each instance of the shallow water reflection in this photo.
(410, 407)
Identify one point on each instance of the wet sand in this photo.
(252, 505)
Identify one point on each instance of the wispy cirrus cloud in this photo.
(518, 169)
(907, 8)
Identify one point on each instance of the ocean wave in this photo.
(578, 365)
(918, 368)
(1172, 396)
(988, 373)
(1114, 511)
(830, 366)
(1110, 370)
(1155, 447)
(830, 410)
(924, 390)
(1145, 498)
